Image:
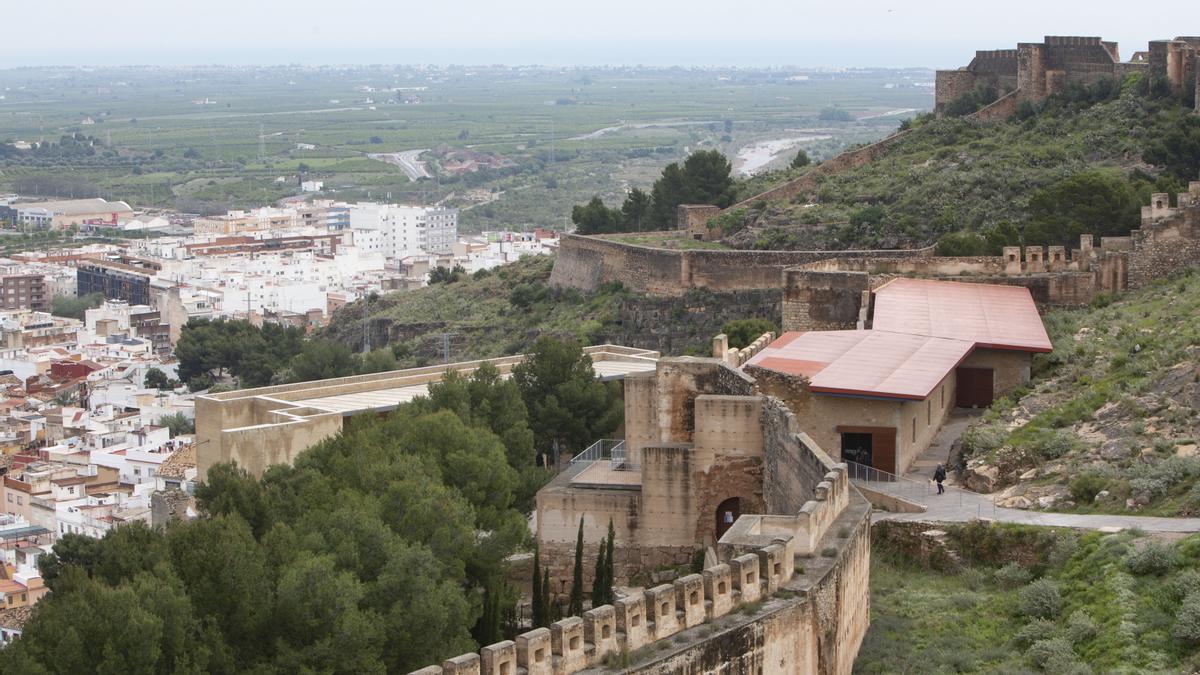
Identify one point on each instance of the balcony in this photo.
(605, 464)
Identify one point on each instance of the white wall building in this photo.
(407, 230)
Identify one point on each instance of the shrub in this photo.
(973, 578)
(1184, 584)
(1043, 652)
(981, 440)
(1033, 631)
(1052, 444)
(1081, 627)
(1153, 557)
(1041, 599)
(1012, 574)
(1187, 620)
(1086, 486)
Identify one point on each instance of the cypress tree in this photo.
(575, 605)
(609, 579)
(538, 609)
(551, 610)
(599, 592)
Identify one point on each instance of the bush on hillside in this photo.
(1087, 485)
(1012, 574)
(1154, 557)
(1187, 620)
(1041, 599)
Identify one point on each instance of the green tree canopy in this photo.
(741, 332)
(568, 408)
(1095, 202)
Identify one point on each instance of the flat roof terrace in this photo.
(271, 425)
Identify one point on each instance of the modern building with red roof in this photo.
(877, 396)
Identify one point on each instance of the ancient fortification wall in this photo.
(587, 262)
(1169, 238)
(809, 182)
(768, 608)
(1035, 70)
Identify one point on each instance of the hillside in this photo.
(1006, 599)
(1111, 422)
(956, 174)
(503, 311)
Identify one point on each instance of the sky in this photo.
(933, 33)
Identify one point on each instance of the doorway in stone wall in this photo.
(727, 513)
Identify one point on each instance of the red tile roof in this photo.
(989, 315)
(865, 362)
(921, 331)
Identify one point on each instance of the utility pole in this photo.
(446, 346)
(366, 323)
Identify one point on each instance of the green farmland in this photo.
(209, 138)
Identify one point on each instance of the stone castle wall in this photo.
(765, 609)
(1169, 239)
(585, 263)
(809, 182)
(823, 299)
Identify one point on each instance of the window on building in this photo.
(914, 430)
(928, 411)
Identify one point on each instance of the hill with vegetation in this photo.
(1016, 599)
(1083, 161)
(1110, 423)
(503, 311)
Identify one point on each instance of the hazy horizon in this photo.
(874, 33)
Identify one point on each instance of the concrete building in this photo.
(408, 230)
(64, 214)
(24, 291)
(118, 277)
(878, 396)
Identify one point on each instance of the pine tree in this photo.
(599, 595)
(538, 609)
(609, 579)
(575, 605)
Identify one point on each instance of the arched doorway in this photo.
(727, 513)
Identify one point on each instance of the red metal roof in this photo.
(989, 315)
(865, 362)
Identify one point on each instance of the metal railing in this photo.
(612, 451)
(923, 492)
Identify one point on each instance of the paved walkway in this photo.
(959, 505)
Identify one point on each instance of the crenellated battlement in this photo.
(636, 620)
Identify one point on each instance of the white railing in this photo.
(612, 451)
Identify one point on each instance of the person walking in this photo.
(939, 475)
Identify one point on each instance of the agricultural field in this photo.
(210, 138)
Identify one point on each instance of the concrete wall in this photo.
(1010, 368)
(264, 426)
(820, 415)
